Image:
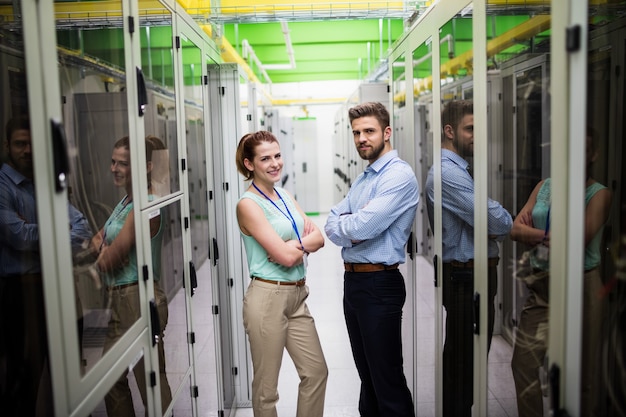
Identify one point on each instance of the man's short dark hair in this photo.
(378, 110)
(454, 111)
(15, 124)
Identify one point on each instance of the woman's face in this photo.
(267, 164)
(120, 167)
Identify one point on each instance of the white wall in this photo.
(325, 115)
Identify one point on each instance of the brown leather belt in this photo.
(119, 287)
(299, 283)
(368, 267)
(491, 262)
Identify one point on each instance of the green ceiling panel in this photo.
(160, 37)
(338, 49)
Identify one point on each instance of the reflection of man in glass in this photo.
(457, 204)
(23, 340)
(117, 259)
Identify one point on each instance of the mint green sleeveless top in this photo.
(592, 251)
(129, 273)
(540, 217)
(258, 265)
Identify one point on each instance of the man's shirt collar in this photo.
(382, 161)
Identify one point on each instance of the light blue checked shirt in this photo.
(457, 195)
(377, 213)
(19, 232)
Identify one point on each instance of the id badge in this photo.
(542, 252)
(305, 260)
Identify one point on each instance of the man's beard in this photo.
(22, 166)
(373, 154)
(464, 150)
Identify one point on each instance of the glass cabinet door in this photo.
(160, 117)
(171, 297)
(117, 173)
(94, 299)
(594, 313)
(425, 290)
(25, 376)
(95, 111)
(459, 284)
(222, 298)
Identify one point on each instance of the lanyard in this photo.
(545, 235)
(116, 213)
(288, 215)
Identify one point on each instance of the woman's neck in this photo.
(264, 188)
(129, 197)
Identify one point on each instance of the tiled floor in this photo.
(325, 280)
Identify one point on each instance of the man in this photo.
(23, 340)
(457, 201)
(372, 225)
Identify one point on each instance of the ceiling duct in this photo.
(249, 55)
(292, 60)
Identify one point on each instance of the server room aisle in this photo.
(325, 280)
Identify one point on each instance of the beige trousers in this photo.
(276, 318)
(125, 311)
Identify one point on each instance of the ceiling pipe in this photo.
(248, 54)
(383, 66)
(290, 53)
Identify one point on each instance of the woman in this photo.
(117, 260)
(532, 226)
(277, 236)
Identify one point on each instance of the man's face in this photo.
(463, 137)
(19, 152)
(369, 137)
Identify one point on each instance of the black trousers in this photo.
(372, 305)
(458, 350)
(23, 346)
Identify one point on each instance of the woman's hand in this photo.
(96, 242)
(294, 243)
(526, 218)
(308, 226)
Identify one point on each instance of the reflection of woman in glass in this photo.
(117, 260)
(532, 226)
(277, 236)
